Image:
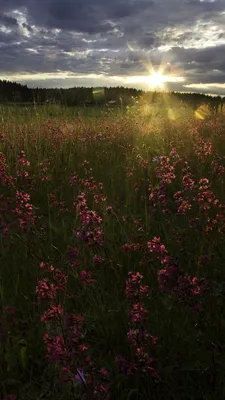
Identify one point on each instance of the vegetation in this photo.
(12, 92)
(112, 253)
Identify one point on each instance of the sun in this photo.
(156, 79)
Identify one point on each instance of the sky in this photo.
(174, 45)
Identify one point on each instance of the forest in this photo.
(16, 93)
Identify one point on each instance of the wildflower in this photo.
(97, 259)
(204, 183)
(184, 207)
(46, 290)
(86, 277)
(155, 246)
(55, 347)
(167, 277)
(54, 312)
(73, 255)
(103, 372)
(174, 153)
(101, 391)
(188, 182)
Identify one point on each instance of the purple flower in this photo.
(168, 276)
(72, 257)
(173, 153)
(82, 235)
(97, 259)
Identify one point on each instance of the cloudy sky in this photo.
(66, 43)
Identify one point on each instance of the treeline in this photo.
(12, 92)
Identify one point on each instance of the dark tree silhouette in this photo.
(12, 92)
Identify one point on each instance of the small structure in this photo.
(111, 103)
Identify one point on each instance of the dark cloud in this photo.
(7, 21)
(7, 39)
(204, 61)
(114, 38)
(148, 40)
(28, 27)
(81, 15)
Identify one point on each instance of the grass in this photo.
(100, 192)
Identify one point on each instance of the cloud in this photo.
(114, 39)
(7, 21)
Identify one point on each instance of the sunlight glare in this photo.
(156, 79)
(202, 112)
(171, 114)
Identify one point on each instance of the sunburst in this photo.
(156, 79)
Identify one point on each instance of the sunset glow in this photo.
(153, 80)
(156, 80)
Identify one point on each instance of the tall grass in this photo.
(117, 219)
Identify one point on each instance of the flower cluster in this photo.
(5, 178)
(172, 280)
(90, 231)
(139, 340)
(24, 210)
(202, 148)
(48, 288)
(68, 349)
(44, 171)
(21, 160)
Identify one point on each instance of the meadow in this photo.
(112, 269)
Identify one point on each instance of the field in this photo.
(112, 278)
